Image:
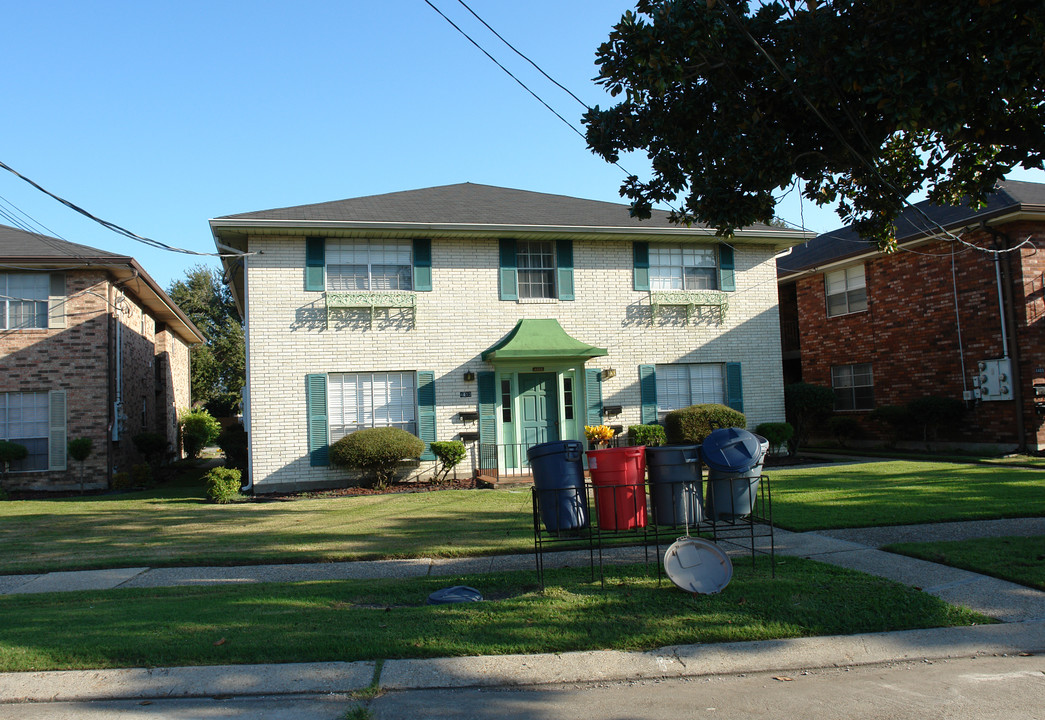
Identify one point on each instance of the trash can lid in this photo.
(455, 594)
(550, 448)
(731, 450)
(697, 565)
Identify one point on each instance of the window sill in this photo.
(537, 301)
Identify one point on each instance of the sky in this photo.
(160, 115)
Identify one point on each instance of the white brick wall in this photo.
(462, 316)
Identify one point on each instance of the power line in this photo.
(113, 226)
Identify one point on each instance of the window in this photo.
(369, 265)
(567, 397)
(506, 401)
(853, 386)
(682, 267)
(536, 263)
(23, 300)
(24, 420)
(682, 385)
(364, 400)
(846, 291)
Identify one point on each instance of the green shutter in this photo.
(426, 411)
(57, 435)
(648, 393)
(564, 268)
(734, 387)
(422, 265)
(56, 301)
(509, 275)
(726, 275)
(487, 407)
(315, 264)
(318, 432)
(640, 273)
(593, 396)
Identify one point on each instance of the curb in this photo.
(524, 670)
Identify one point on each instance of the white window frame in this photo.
(14, 298)
(682, 267)
(360, 400)
(848, 287)
(535, 266)
(853, 386)
(36, 428)
(371, 255)
(680, 385)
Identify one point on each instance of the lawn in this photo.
(173, 526)
(1016, 559)
(375, 619)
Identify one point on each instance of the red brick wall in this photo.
(910, 330)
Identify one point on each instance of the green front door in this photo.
(538, 409)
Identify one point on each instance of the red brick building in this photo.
(955, 318)
(90, 346)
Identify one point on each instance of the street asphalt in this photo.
(1021, 611)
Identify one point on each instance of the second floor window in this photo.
(23, 300)
(682, 267)
(369, 265)
(536, 262)
(846, 291)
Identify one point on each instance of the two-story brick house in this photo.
(500, 317)
(940, 317)
(90, 346)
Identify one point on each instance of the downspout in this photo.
(1010, 347)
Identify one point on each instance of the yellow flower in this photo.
(598, 433)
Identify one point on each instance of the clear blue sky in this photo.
(158, 116)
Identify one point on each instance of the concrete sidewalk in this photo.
(1021, 609)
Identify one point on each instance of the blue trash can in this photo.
(734, 459)
(558, 476)
(675, 484)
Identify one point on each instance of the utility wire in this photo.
(113, 226)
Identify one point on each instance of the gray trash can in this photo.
(558, 476)
(734, 458)
(675, 484)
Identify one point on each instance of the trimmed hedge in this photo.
(693, 424)
(650, 435)
(376, 452)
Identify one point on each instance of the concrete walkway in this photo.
(1020, 609)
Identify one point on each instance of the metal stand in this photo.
(734, 512)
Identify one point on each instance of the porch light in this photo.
(469, 376)
(609, 373)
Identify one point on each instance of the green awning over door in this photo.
(532, 340)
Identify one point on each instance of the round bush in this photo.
(223, 485)
(693, 424)
(377, 452)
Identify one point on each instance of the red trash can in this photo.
(619, 478)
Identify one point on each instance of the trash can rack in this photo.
(752, 533)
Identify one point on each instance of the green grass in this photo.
(1033, 461)
(1016, 559)
(367, 620)
(902, 492)
(173, 526)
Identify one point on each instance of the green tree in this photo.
(219, 366)
(866, 101)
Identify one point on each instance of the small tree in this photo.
(223, 485)
(894, 417)
(80, 450)
(933, 414)
(377, 452)
(806, 406)
(233, 444)
(198, 429)
(843, 428)
(11, 452)
(449, 454)
(777, 433)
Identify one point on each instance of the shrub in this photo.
(223, 484)
(233, 444)
(376, 452)
(807, 405)
(141, 475)
(448, 453)
(897, 418)
(843, 428)
(651, 435)
(152, 446)
(198, 429)
(933, 414)
(693, 424)
(223, 405)
(777, 433)
(122, 481)
(9, 453)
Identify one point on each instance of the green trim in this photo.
(487, 407)
(540, 340)
(422, 265)
(426, 424)
(640, 272)
(726, 269)
(734, 387)
(564, 269)
(593, 396)
(648, 393)
(318, 431)
(315, 264)
(508, 267)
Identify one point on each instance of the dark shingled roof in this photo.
(1010, 196)
(467, 204)
(15, 243)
